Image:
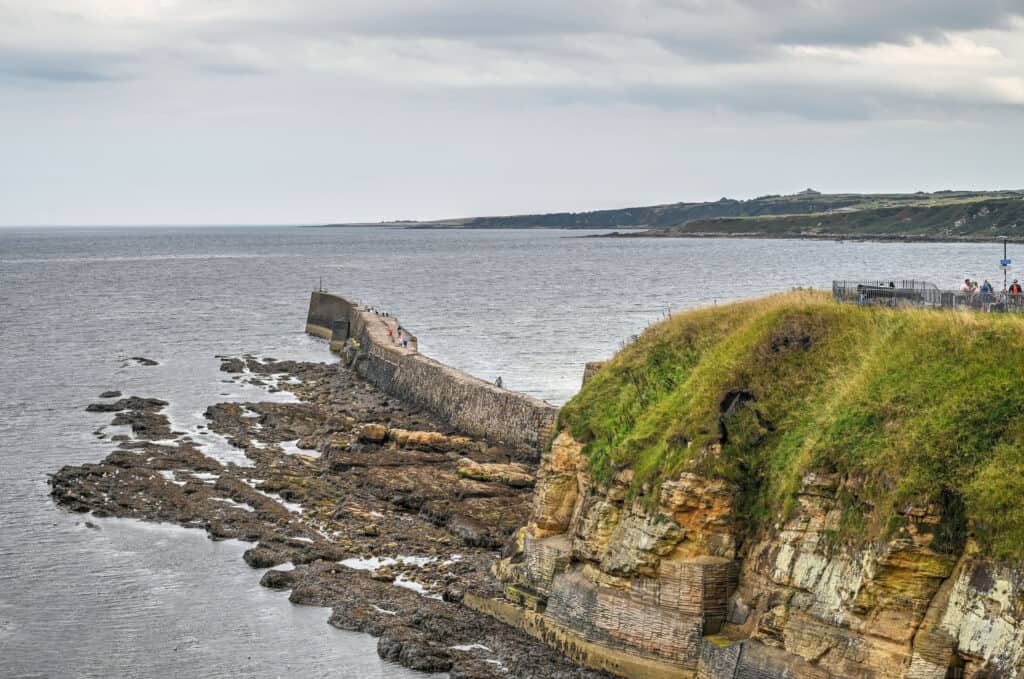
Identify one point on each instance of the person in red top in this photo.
(1015, 288)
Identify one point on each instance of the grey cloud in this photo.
(462, 21)
(61, 67)
(800, 101)
(846, 22)
(736, 31)
(751, 29)
(873, 21)
(746, 34)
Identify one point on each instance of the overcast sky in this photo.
(308, 111)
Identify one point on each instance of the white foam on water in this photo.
(292, 448)
(206, 477)
(470, 647)
(253, 418)
(371, 563)
(293, 507)
(418, 561)
(233, 503)
(216, 446)
(402, 581)
(169, 475)
(383, 610)
(302, 539)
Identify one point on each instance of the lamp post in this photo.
(1004, 263)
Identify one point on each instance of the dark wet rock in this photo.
(142, 360)
(476, 668)
(130, 403)
(396, 494)
(261, 557)
(110, 394)
(274, 579)
(453, 595)
(406, 647)
(146, 425)
(474, 532)
(232, 365)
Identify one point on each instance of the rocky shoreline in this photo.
(353, 500)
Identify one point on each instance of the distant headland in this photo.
(938, 216)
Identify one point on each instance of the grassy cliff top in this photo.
(924, 406)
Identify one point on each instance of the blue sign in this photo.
(1005, 262)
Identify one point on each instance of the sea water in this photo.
(130, 599)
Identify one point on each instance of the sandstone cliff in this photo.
(787, 504)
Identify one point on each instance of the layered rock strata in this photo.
(672, 586)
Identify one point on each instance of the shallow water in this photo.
(132, 599)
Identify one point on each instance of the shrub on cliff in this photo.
(924, 406)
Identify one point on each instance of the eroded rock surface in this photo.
(352, 499)
(675, 587)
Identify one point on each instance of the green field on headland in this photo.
(955, 217)
(912, 407)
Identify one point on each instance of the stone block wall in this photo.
(627, 620)
(466, 402)
(324, 310)
(591, 369)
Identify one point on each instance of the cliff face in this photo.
(693, 571)
(668, 583)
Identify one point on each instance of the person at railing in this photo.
(1015, 288)
(986, 292)
(966, 285)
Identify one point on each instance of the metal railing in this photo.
(913, 293)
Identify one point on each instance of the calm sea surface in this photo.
(129, 599)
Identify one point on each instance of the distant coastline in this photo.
(942, 216)
(858, 238)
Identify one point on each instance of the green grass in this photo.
(921, 406)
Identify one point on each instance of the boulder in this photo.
(514, 475)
